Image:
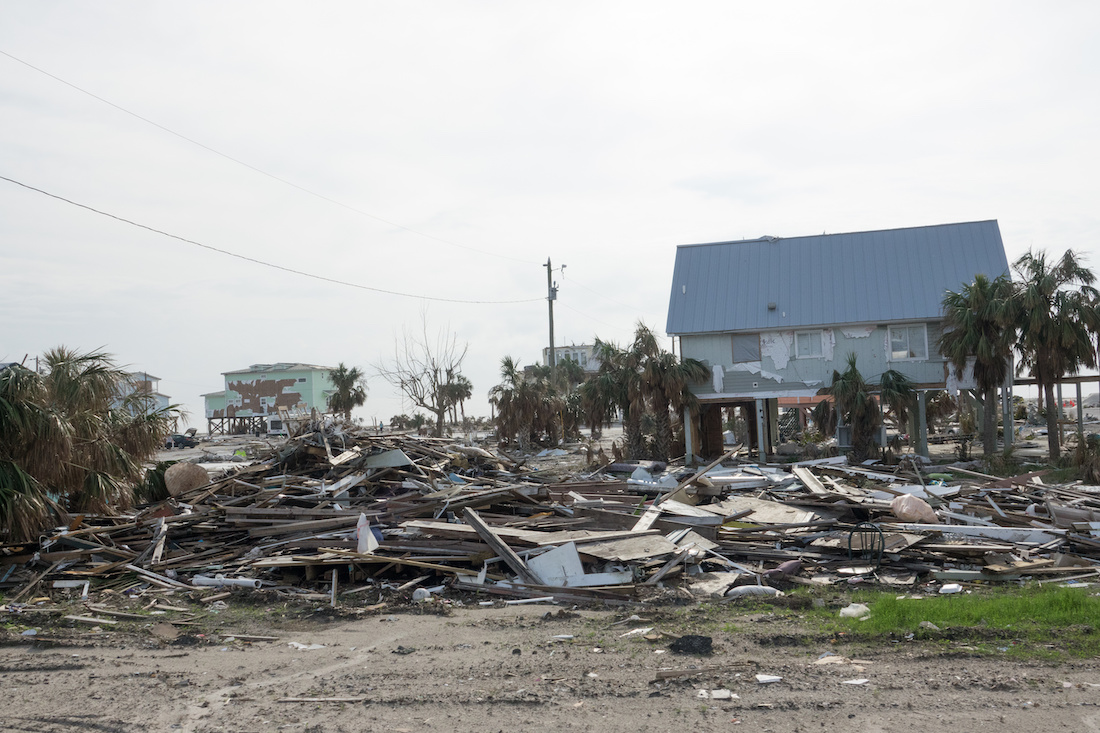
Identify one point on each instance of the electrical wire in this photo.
(582, 313)
(264, 263)
(261, 171)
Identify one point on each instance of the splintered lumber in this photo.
(307, 527)
(91, 620)
(810, 481)
(647, 520)
(34, 581)
(514, 561)
(467, 532)
(682, 486)
(678, 557)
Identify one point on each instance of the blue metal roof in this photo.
(831, 279)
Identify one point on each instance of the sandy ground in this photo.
(502, 669)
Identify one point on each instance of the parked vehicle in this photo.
(180, 441)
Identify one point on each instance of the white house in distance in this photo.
(774, 317)
(583, 354)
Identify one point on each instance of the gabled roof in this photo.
(863, 277)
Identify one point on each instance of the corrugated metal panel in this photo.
(862, 277)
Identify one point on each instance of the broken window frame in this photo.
(798, 351)
(909, 329)
(745, 340)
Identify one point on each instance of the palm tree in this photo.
(597, 406)
(456, 391)
(666, 379)
(25, 424)
(618, 382)
(857, 407)
(1056, 313)
(70, 432)
(979, 326)
(351, 390)
(517, 403)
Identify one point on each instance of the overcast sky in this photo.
(447, 149)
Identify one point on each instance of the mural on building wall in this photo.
(263, 397)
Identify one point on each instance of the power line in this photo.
(264, 263)
(261, 171)
(582, 313)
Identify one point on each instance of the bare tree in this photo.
(425, 370)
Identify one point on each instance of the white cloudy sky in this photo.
(446, 149)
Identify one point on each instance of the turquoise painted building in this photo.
(255, 398)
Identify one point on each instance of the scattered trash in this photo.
(304, 647)
(767, 679)
(855, 610)
(752, 590)
(693, 644)
(636, 632)
(165, 631)
(951, 588)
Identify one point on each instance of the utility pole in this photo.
(551, 296)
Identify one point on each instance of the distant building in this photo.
(145, 384)
(259, 398)
(584, 354)
(140, 394)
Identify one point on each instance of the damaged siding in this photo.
(261, 391)
(262, 397)
(781, 371)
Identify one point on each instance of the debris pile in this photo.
(334, 513)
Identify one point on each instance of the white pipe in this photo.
(221, 580)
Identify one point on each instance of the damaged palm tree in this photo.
(858, 408)
(76, 432)
(666, 381)
(1057, 313)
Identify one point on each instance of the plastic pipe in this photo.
(221, 580)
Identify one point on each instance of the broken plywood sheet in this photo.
(683, 538)
(691, 514)
(638, 547)
(712, 585)
(765, 511)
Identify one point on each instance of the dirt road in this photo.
(511, 669)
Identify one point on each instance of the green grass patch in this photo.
(1046, 621)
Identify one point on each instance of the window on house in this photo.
(746, 347)
(301, 379)
(807, 344)
(908, 342)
